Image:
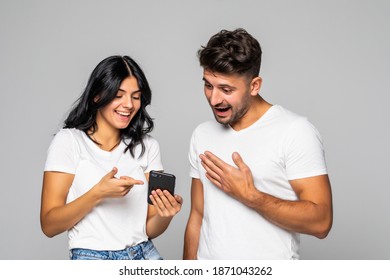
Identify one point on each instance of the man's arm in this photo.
(311, 214)
(192, 232)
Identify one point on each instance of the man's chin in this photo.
(224, 121)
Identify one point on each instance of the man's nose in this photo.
(215, 97)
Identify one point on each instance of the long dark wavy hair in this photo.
(101, 89)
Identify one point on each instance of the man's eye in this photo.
(226, 90)
(208, 86)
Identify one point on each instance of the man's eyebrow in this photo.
(226, 85)
(221, 85)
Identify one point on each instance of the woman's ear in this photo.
(96, 98)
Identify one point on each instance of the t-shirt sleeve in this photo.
(154, 155)
(304, 152)
(193, 158)
(61, 153)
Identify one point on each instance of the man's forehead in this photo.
(221, 78)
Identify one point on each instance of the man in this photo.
(259, 177)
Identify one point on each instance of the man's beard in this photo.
(236, 114)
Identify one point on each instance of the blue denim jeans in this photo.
(142, 251)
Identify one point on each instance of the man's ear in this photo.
(256, 85)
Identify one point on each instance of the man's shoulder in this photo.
(294, 124)
(286, 118)
(286, 114)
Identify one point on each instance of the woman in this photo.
(97, 169)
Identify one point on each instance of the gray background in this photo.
(328, 60)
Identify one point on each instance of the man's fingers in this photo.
(237, 159)
(210, 171)
(215, 182)
(215, 160)
(242, 166)
(214, 164)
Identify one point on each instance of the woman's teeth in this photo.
(126, 114)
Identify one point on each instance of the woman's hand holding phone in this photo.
(161, 194)
(167, 205)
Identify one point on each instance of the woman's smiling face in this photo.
(121, 110)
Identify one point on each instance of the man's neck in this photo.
(258, 108)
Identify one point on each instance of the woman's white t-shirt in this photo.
(116, 223)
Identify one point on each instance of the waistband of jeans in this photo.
(140, 246)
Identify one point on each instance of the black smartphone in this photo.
(161, 180)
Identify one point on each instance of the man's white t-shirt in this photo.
(116, 223)
(279, 147)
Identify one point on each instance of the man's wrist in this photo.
(253, 198)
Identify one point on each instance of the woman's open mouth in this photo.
(123, 115)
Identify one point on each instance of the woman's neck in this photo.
(106, 140)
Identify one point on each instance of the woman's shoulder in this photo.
(68, 136)
(69, 133)
(150, 141)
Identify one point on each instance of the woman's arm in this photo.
(165, 206)
(57, 216)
